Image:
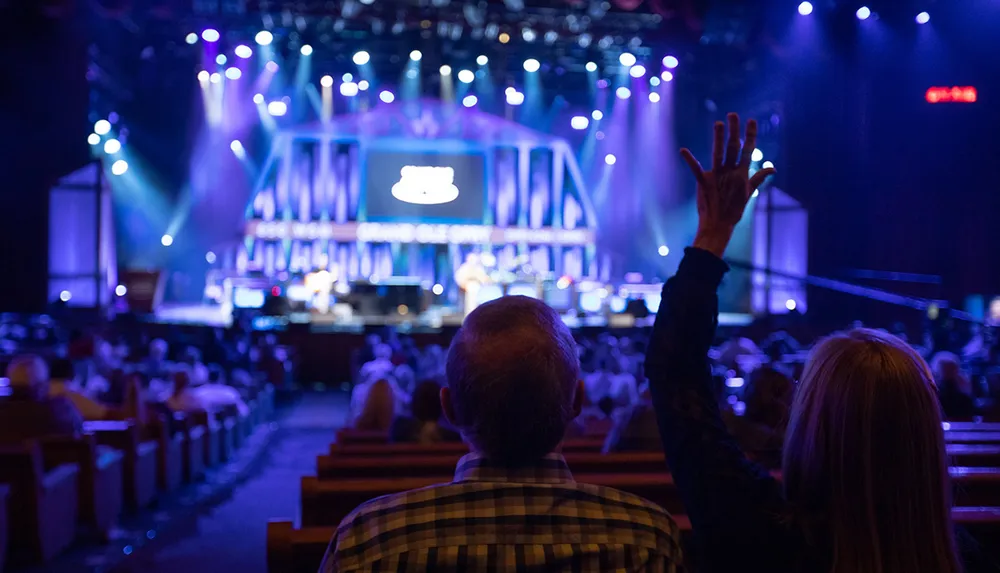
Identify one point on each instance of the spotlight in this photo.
(790, 304)
(191, 38)
(349, 89)
(277, 108)
(509, 90)
(102, 126)
(445, 70)
(234, 73)
(210, 257)
(166, 240)
(347, 78)
(93, 139)
(361, 58)
(663, 250)
(271, 66)
(579, 122)
(515, 97)
(210, 35)
(120, 290)
(626, 59)
(437, 290)
(363, 85)
(482, 60)
(386, 96)
(923, 18)
(112, 146)
(623, 92)
(119, 167)
(326, 81)
(236, 146)
(411, 74)
(757, 155)
(597, 115)
(591, 67)
(504, 37)
(415, 55)
(215, 78)
(654, 97)
(602, 83)
(863, 13)
(264, 38)
(243, 51)
(258, 98)
(610, 159)
(65, 296)
(531, 65)
(654, 81)
(805, 8)
(637, 71)
(667, 76)
(470, 100)
(466, 77)
(221, 59)
(528, 34)
(670, 62)
(767, 165)
(306, 50)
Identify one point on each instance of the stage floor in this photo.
(434, 318)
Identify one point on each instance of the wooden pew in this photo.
(211, 438)
(170, 461)
(291, 550)
(193, 457)
(972, 427)
(141, 459)
(953, 437)
(100, 479)
(42, 506)
(326, 502)
(386, 449)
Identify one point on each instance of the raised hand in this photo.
(723, 192)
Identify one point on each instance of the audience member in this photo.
(424, 425)
(767, 399)
(865, 477)
(29, 412)
(513, 386)
(954, 388)
(379, 407)
(156, 365)
(635, 428)
(64, 384)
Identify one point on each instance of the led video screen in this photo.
(425, 187)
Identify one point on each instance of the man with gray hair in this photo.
(512, 389)
(29, 413)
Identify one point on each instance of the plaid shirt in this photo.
(498, 519)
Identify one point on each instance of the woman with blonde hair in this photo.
(866, 486)
(379, 408)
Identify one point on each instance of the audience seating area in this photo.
(57, 492)
(363, 465)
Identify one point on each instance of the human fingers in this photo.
(749, 145)
(694, 165)
(717, 142)
(759, 177)
(733, 148)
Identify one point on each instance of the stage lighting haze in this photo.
(591, 67)
(597, 115)
(466, 77)
(531, 65)
(112, 146)
(670, 62)
(805, 8)
(623, 92)
(361, 58)
(923, 18)
(306, 50)
(610, 159)
(482, 60)
(863, 13)
(637, 71)
(119, 167)
(326, 81)
(102, 126)
(415, 55)
(626, 59)
(243, 51)
(264, 38)
(271, 66)
(470, 100)
(191, 38)
(579, 122)
(387, 96)
(210, 35)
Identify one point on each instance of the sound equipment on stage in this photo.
(387, 297)
(143, 290)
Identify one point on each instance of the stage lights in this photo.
(306, 50)
(923, 18)
(203, 76)
(597, 115)
(363, 85)
(470, 100)
(437, 289)
(791, 305)
(757, 155)
(258, 98)
(531, 65)
(767, 165)
(210, 35)
(445, 70)
(277, 108)
(112, 146)
(670, 62)
(191, 38)
(120, 290)
(65, 296)
(238, 148)
(234, 73)
(663, 250)
(504, 37)
(210, 258)
(805, 8)
(166, 240)
(221, 59)
(386, 96)
(349, 89)
(93, 139)
(271, 66)
(482, 60)
(667, 76)
(264, 38)
(243, 51)
(119, 167)
(326, 81)
(415, 56)
(215, 78)
(863, 13)
(466, 76)
(361, 58)
(610, 159)
(514, 97)
(579, 122)
(102, 127)
(626, 59)
(347, 78)
(591, 67)
(637, 71)
(623, 93)
(654, 81)
(654, 97)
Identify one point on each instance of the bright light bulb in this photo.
(215, 77)
(654, 81)
(210, 257)
(361, 58)
(663, 250)
(112, 146)
(591, 67)
(923, 18)
(579, 122)
(120, 290)
(466, 76)
(654, 97)
(166, 240)
(623, 92)
(210, 35)
(93, 139)
(437, 290)
(387, 96)
(445, 70)
(306, 50)
(258, 98)
(863, 13)
(221, 59)
(363, 85)
(667, 76)
(597, 115)
(637, 71)
(277, 108)
(757, 155)
(191, 38)
(415, 55)
(482, 60)
(470, 100)
(626, 59)
(347, 78)
(102, 127)
(610, 159)
(234, 73)
(767, 165)
(326, 81)
(531, 65)
(235, 145)
(515, 97)
(243, 51)
(670, 62)
(349, 89)
(65, 296)
(119, 167)
(805, 8)
(264, 38)
(790, 304)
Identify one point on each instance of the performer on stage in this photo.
(470, 277)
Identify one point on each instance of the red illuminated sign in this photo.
(964, 94)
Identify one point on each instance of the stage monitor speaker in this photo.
(143, 290)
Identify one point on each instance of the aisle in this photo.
(232, 535)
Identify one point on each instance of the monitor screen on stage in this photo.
(425, 187)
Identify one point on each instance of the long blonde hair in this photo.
(864, 462)
(379, 408)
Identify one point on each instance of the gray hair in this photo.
(511, 370)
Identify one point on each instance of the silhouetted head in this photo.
(864, 460)
(29, 377)
(425, 403)
(513, 380)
